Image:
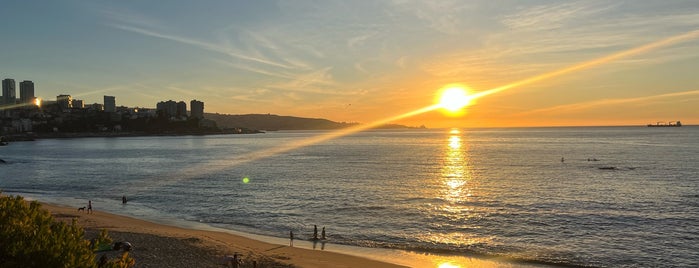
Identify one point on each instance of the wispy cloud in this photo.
(547, 17)
(586, 27)
(608, 102)
(441, 16)
(545, 37)
(313, 81)
(199, 44)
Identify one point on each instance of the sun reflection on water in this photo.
(454, 187)
(455, 170)
(454, 142)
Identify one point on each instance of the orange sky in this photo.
(369, 60)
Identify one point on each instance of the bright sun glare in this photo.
(454, 98)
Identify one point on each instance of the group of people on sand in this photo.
(313, 238)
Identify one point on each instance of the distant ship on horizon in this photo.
(669, 124)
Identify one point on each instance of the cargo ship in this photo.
(669, 124)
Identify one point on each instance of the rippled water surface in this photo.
(502, 192)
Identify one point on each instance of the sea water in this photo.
(582, 196)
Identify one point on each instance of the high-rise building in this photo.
(9, 91)
(109, 104)
(197, 109)
(181, 109)
(167, 108)
(26, 92)
(64, 102)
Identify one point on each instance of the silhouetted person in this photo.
(89, 206)
(291, 238)
(322, 233)
(123, 199)
(315, 232)
(563, 159)
(235, 260)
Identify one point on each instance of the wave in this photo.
(480, 250)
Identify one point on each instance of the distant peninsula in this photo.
(271, 122)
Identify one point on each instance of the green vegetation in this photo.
(30, 237)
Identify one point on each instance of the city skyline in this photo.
(27, 97)
(366, 61)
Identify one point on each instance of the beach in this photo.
(158, 245)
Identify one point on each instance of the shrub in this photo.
(30, 237)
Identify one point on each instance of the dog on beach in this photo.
(81, 209)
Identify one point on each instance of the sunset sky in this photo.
(361, 61)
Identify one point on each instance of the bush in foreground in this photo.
(30, 237)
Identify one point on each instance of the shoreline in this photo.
(221, 243)
(74, 135)
(226, 242)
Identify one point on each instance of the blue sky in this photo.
(362, 60)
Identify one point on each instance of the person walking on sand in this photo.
(322, 233)
(89, 206)
(315, 232)
(291, 238)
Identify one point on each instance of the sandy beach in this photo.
(157, 245)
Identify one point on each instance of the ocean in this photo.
(564, 196)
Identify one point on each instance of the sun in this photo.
(454, 98)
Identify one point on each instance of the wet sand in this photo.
(157, 245)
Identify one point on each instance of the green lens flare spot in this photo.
(246, 180)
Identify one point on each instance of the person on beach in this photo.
(236, 260)
(322, 233)
(315, 232)
(291, 238)
(89, 206)
(123, 199)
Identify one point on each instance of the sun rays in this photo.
(452, 97)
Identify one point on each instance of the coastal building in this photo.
(181, 109)
(9, 91)
(78, 104)
(144, 112)
(197, 109)
(95, 107)
(109, 104)
(64, 102)
(26, 92)
(22, 125)
(167, 109)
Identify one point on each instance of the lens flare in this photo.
(213, 166)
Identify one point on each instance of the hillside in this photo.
(273, 122)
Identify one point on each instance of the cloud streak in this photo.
(199, 44)
(607, 102)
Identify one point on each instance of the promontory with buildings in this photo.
(29, 117)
